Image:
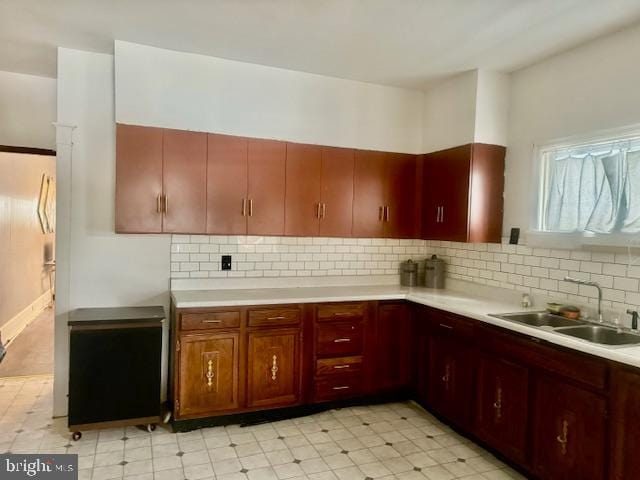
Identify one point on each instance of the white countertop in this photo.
(462, 303)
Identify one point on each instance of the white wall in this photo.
(449, 113)
(187, 91)
(492, 107)
(590, 88)
(27, 110)
(99, 268)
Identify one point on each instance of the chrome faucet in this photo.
(590, 284)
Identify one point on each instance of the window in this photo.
(591, 187)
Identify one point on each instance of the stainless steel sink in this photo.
(600, 334)
(539, 319)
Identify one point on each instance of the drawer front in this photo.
(338, 366)
(274, 317)
(339, 339)
(444, 324)
(340, 311)
(337, 387)
(208, 320)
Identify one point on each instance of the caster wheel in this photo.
(75, 436)
(151, 427)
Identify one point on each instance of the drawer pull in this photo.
(279, 317)
(339, 367)
(343, 314)
(212, 321)
(562, 438)
(341, 340)
(344, 387)
(448, 327)
(209, 373)
(274, 368)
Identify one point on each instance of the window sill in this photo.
(537, 238)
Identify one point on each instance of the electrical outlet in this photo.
(226, 262)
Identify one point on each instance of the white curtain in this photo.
(594, 189)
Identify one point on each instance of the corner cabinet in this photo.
(462, 194)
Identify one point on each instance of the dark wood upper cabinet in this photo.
(336, 196)
(625, 424)
(462, 194)
(227, 184)
(266, 187)
(369, 194)
(569, 432)
(184, 181)
(401, 196)
(138, 179)
(302, 199)
(503, 406)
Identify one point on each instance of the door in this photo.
(421, 347)
(569, 432)
(336, 197)
(401, 204)
(273, 368)
(208, 373)
(432, 196)
(625, 425)
(393, 352)
(369, 194)
(502, 409)
(138, 179)
(454, 181)
(302, 198)
(184, 181)
(451, 379)
(227, 184)
(266, 187)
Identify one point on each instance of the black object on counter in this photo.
(114, 367)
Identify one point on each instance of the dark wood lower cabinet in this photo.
(570, 432)
(542, 407)
(273, 368)
(502, 409)
(208, 368)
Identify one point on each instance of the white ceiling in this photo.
(406, 43)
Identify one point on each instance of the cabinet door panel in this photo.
(266, 187)
(226, 184)
(138, 179)
(400, 221)
(337, 192)
(273, 368)
(502, 409)
(302, 199)
(625, 425)
(570, 429)
(393, 355)
(208, 373)
(368, 194)
(455, 184)
(185, 181)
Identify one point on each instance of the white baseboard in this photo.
(17, 324)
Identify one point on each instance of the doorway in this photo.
(27, 261)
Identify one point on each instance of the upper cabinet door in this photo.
(431, 196)
(227, 185)
(455, 172)
(138, 179)
(336, 213)
(185, 181)
(302, 198)
(369, 194)
(402, 203)
(267, 159)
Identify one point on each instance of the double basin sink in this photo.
(590, 332)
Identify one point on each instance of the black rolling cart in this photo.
(114, 367)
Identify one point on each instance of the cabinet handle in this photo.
(274, 368)
(380, 214)
(244, 207)
(209, 374)
(444, 325)
(341, 340)
(441, 214)
(343, 314)
(158, 204)
(386, 213)
(324, 211)
(562, 439)
(343, 387)
(446, 377)
(279, 317)
(497, 405)
(318, 208)
(437, 214)
(166, 203)
(340, 367)
(212, 321)
(251, 207)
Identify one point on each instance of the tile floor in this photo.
(390, 441)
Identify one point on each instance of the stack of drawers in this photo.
(339, 341)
